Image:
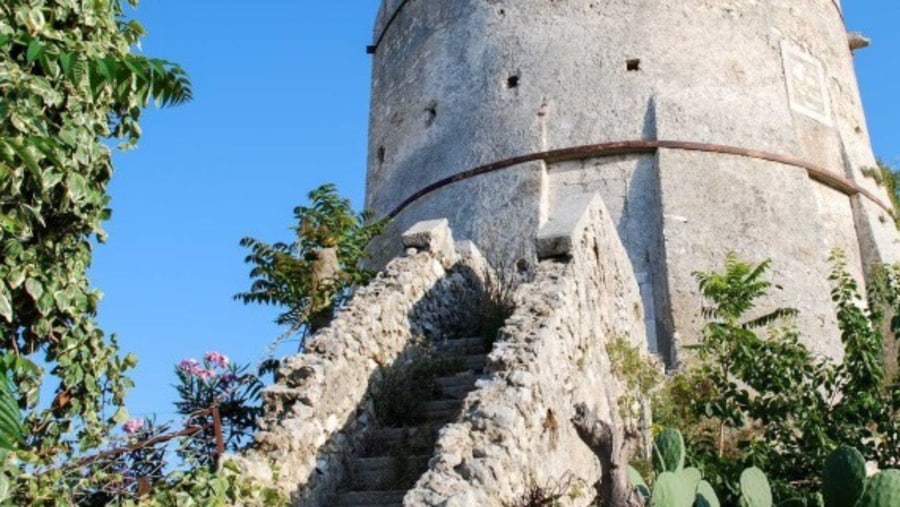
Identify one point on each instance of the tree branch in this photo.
(613, 445)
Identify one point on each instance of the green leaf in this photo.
(10, 416)
(68, 136)
(34, 288)
(4, 39)
(67, 62)
(121, 416)
(16, 277)
(755, 489)
(26, 156)
(6, 310)
(77, 186)
(102, 67)
(4, 488)
(34, 51)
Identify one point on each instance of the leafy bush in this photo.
(769, 402)
(69, 84)
(311, 277)
(216, 382)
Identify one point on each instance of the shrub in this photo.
(768, 401)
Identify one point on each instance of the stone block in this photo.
(558, 236)
(434, 236)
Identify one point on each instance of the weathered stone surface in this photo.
(317, 412)
(551, 355)
(435, 236)
(535, 75)
(513, 429)
(558, 235)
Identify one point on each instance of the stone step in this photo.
(461, 346)
(441, 410)
(449, 365)
(371, 498)
(475, 362)
(380, 441)
(456, 386)
(388, 472)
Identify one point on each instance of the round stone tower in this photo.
(706, 126)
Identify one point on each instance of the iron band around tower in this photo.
(814, 172)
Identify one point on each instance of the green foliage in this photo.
(636, 480)
(201, 487)
(677, 486)
(496, 304)
(675, 489)
(216, 382)
(768, 401)
(11, 427)
(755, 490)
(312, 276)
(882, 490)
(706, 496)
(668, 451)
(641, 373)
(69, 84)
(844, 477)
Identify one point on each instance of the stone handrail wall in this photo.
(515, 430)
(321, 404)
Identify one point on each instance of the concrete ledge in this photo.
(557, 237)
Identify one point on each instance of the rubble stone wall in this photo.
(515, 430)
(321, 404)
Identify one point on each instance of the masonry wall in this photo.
(515, 430)
(321, 404)
(465, 84)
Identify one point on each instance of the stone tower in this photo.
(704, 125)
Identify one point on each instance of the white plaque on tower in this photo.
(805, 77)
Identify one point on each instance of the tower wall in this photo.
(764, 90)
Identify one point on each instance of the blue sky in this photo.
(281, 106)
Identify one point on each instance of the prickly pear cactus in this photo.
(882, 490)
(674, 489)
(706, 496)
(755, 489)
(844, 477)
(668, 451)
(634, 477)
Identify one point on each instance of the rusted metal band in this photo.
(814, 172)
(371, 49)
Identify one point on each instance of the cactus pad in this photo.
(755, 489)
(844, 477)
(672, 490)
(668, 451)
(706, 496)
(634, 477)
(882, 490)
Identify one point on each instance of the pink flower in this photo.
(204, 374)
(133, 426)
(189, 366)
(217, 359)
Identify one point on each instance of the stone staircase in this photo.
(393, 457)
